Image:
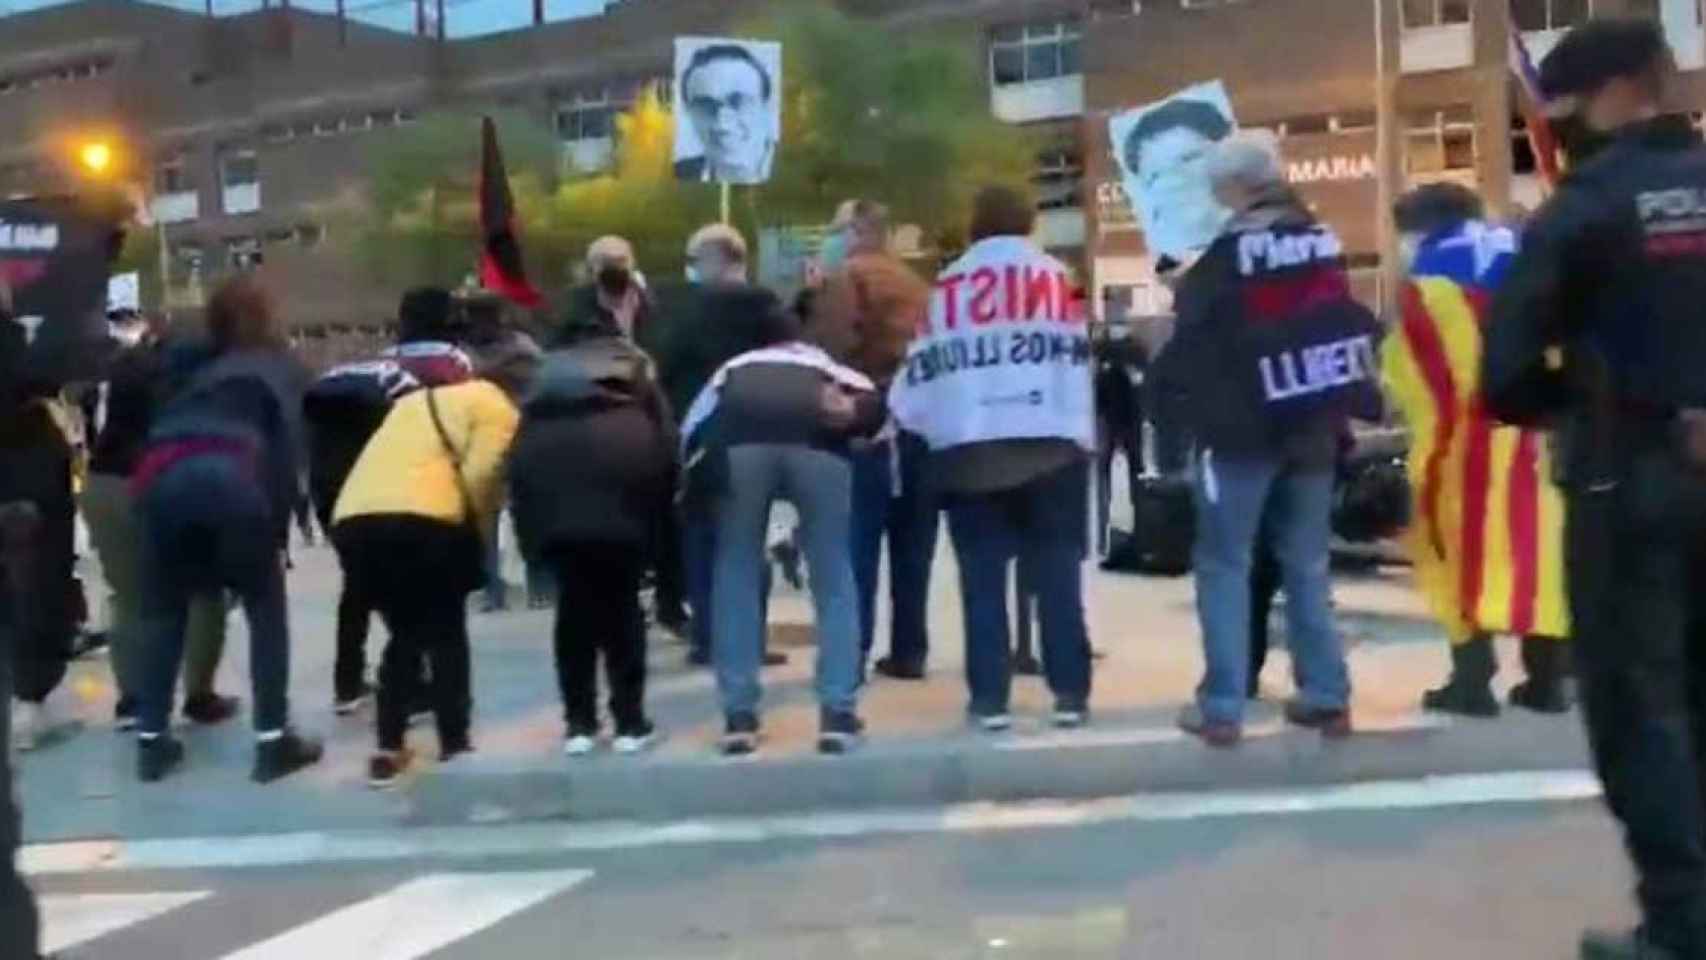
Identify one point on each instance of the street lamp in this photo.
(96, 157)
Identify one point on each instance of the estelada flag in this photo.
(1488, 528)
(501, 267)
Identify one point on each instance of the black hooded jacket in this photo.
(594, 458)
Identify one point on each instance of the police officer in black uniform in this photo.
(1601, 331)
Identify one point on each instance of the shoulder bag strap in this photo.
(455, 456)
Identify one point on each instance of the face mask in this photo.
(834, 252)
(1579, 140)
(615, 280)
(693, 273)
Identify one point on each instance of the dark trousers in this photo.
(19, 921)
(1043, 525)
(1638, 602)
(349, 671)
(911, 520)
(598, 613)
(418, 573)
(1265, 581)
(208, 526)
(699, 553)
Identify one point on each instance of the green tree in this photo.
(899, 117)
(421, 224)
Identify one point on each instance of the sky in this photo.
(464, 18)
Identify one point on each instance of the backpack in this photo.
(342, 411)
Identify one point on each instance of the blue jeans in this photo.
(1230, 496)
(820, 486)
(911, 521)
(1044, 525)
(208, 526)
(699, 556)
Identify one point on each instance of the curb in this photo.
(655, 789)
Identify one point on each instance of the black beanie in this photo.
(425, 315)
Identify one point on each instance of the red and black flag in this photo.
(501, 269)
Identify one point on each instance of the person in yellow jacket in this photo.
(409, 525)
(1488, 525)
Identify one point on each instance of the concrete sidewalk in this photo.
(919, 749)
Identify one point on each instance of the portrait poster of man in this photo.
(1161, 149)
(728, 118)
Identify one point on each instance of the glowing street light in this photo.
(96, 156)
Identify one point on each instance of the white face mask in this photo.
(693, 273)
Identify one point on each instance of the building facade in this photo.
(249, 133)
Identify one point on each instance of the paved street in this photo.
(1418, 838)
(1511, 880)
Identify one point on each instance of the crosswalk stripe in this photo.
(417, 917)
(73, 919)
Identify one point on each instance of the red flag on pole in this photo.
(501, 268)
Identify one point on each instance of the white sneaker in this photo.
(638, 742)
(344, 708)
(579, 745)
(1069, 719)
(995, 722)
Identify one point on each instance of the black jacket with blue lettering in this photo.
(1613, 273)
(1271, 354)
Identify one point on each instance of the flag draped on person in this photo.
(1487, 533)
(501, 267)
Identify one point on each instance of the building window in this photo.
(1025, 54)
(242, 253)
(239, 168)
(1435, 13)
(1550, 14)
(174, 176)
(240, 181)
(587, 117)
(1441, 142)
(1059, 178)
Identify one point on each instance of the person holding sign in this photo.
(998, 383)
(1271, 355)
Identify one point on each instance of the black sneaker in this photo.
(385, 769)
(347, 704)
(899, 670)
(451, 749)
(124, 714)
(1069, 716)
(839, 732)
(283, 756)
(1625, 945)
(698, 658)
(157, 756)
(775, 658)
(210, 708)
(1026, 665)
(740, 736)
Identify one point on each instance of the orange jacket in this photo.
(869, 312)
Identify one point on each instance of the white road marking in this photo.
(475, 842)
(416, 918)
(69, 920)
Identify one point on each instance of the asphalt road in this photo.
(1515, 880)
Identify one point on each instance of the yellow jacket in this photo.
(405, 469)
